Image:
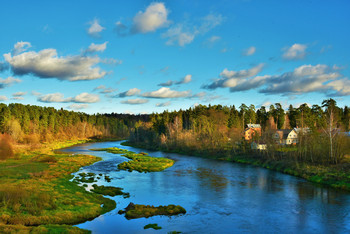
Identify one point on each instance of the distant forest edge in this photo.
(217, 131)
(32, 125)
(211, 130)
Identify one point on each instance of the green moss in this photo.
(109, 191)
(133, 211)
(152, 225)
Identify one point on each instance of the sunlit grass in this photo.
(35, 190)
(139, 162)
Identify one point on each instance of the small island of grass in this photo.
(145, 163)
(109, 191)
(139, 162)
(113, 150)
(134, 211)
(152, 225)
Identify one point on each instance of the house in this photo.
(258, 145)
(285, 136)
(251, 130)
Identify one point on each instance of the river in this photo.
(219, 196)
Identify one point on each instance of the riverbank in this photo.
(336, 176)
(36, 192)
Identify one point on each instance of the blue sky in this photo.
(147, 56)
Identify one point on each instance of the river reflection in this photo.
(220, 197)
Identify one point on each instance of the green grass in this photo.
(85, 178)
(152, 225)
(109, 191)
(133, 211)
(42, 229)
(20, 169)
(140, 162)
(144, 163)
(35, 190)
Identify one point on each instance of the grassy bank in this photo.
(336, 176)
(139, 162)
(35, 190)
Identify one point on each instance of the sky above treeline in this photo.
(150, 56)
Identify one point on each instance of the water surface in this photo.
(220, 197)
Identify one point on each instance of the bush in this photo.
(6, 150)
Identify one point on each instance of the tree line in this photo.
(216, 130)
(30, 124)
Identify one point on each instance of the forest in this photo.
(29, 125)
(216, 131)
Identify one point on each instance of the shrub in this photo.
(6, 150)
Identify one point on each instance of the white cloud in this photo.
(185, 80)
(8, 82)
(136, 101)
(95, 28)
(47, 64)
(20, 47)
(214, 39)
(184, 33)
(340, 87)
(17, 98)
(154, 17)
(209, 22)
(59, 97)
(295, 52)
(166, 84)
(104, 89)
(78, 106)
(96, 48)
(232, 78)
(86, 98)
(250, 51)
(18, 94)
(304, 79)
(35, 93)
(108, 90)
(3, 98)
(164, 104)
(130, 92)
(100, 87)
(166, 93)
(52, 97)
(178, 35)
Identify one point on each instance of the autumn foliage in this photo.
(6, 150)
